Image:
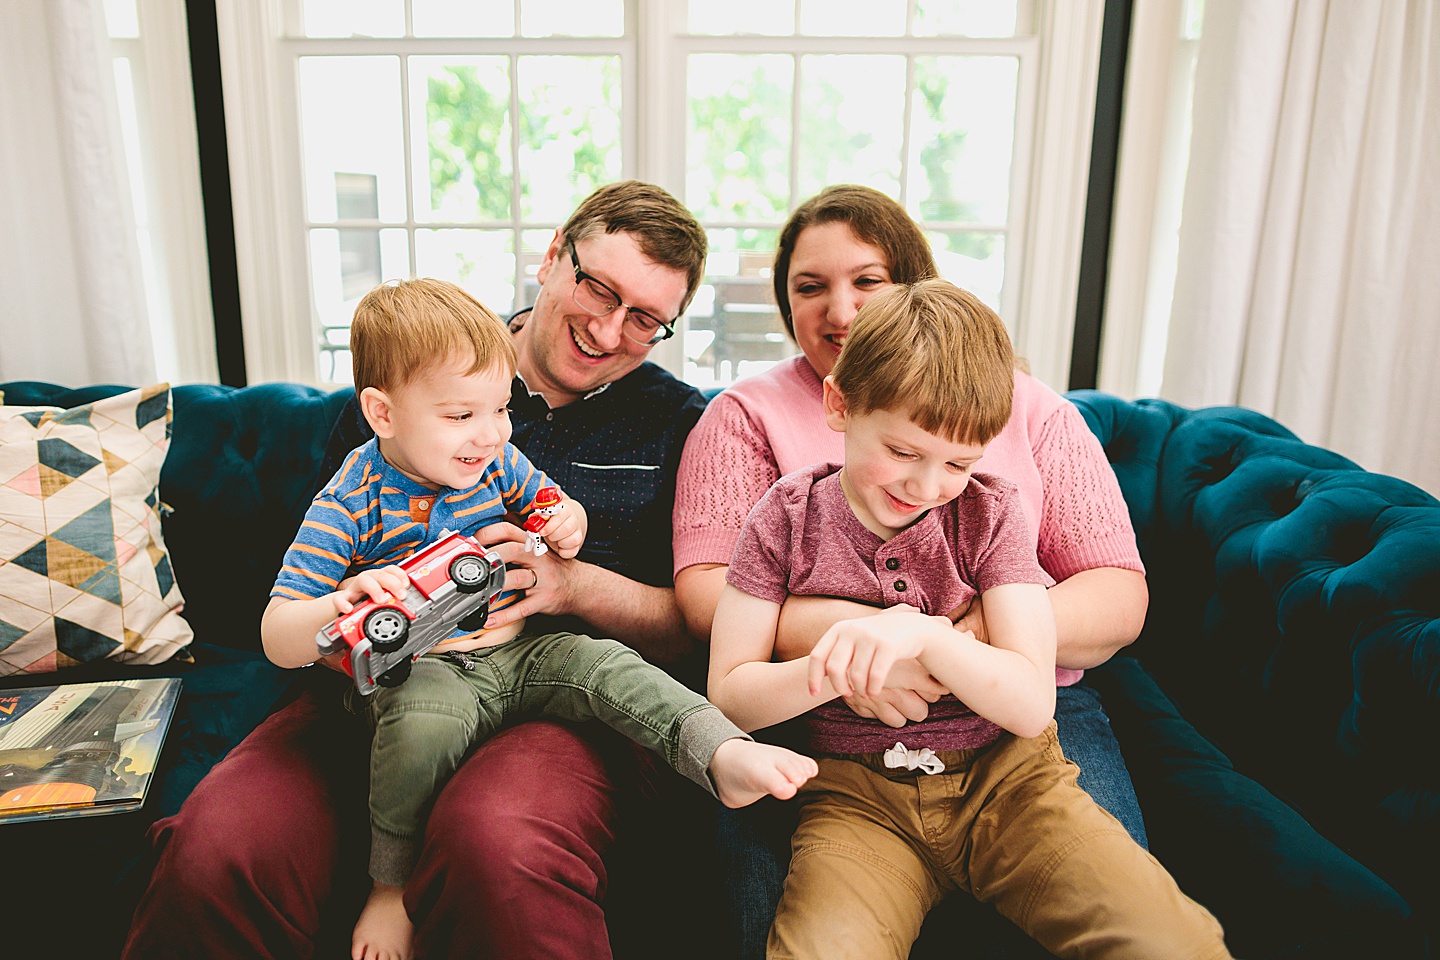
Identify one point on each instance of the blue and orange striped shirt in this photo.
(371, 515)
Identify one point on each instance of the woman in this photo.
(836, 251)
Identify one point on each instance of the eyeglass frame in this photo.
(581, 276)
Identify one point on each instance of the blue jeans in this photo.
(753, 843)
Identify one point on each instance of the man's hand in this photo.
(547, 580)
(857, 654)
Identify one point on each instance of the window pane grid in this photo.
(494, 255)
(974, 225)
(733, 329)
(418, 19)
(867, 18)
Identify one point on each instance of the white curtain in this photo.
(1308, 282)
(72, 301)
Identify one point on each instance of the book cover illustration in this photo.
(80, 749)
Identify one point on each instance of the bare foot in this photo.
(384, 930)
(744, 771)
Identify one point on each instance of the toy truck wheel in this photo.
(475, 619)
(386, 630)
(469, 574)
(396, 675)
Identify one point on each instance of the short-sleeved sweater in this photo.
(772, 424)
(372, 515)
(803, 539)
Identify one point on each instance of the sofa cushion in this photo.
(1280, 888)
(1294, 617)
(84, 573)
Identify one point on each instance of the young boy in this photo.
(433, 371)
(977, 797)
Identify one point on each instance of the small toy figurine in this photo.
(546, 505)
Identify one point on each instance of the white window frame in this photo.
(1051, 174)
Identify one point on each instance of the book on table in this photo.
(81, 749)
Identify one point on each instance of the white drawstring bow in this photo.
(924, 759)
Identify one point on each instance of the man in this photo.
(262, 855)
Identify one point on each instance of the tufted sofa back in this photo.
(1294, 614)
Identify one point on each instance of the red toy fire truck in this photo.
(451, 584)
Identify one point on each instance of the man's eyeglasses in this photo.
(596, 299)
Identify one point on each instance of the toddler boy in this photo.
(433, 373)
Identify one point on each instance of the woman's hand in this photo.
(907, 700)
(972, 619)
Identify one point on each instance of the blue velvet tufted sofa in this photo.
(1279, 713)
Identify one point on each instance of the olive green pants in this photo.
(877, 848)
(425, 726)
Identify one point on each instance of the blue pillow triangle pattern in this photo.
(9, 633)
(64, 458)
(164, 577)
(81, 643)
(152, 408)
(105, 585)
(79, 416)
(37, 417)
(35, 559)
(93, 531)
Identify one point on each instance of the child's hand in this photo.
(378, 585)
(565, 530)
(857, 654)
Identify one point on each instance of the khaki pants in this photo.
(877, 848)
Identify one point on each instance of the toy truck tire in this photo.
(386, 629)
(475, 619)
(469, 573)
(396, 675)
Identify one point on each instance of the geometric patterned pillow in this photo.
(84, 575)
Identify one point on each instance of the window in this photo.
(448, 140)
(451, 138)
(917, 100)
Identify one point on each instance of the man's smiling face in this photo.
(564, 351)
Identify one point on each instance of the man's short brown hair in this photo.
(934, 352)
(404, 329)
(666, 232)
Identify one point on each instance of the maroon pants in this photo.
(267, 857)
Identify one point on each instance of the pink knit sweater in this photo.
(772, 424)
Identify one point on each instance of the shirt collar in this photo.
(533, 394)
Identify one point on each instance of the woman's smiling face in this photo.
(832, 272)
